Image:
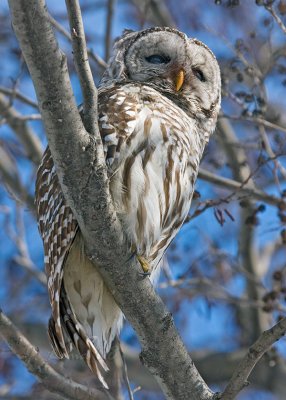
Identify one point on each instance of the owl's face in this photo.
(183, 69)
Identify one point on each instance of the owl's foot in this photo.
(145, 266)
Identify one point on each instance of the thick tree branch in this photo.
(82, 172)
(262, 376)
(255, 352)
(50, 378)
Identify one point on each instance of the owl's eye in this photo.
(157, 59)
(199, 74)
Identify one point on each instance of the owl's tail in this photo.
(75, 334)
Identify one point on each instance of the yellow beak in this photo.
(180, 79)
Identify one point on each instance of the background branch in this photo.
(254, 353)
(24, 133)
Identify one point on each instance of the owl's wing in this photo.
(58, 228)
(117, 119)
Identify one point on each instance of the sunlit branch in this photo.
(254, 353)
(34, 362)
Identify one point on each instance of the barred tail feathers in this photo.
(81, 341)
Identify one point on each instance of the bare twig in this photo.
(50, 378)
(10, 176)
(114, 377)
(108, 30)
(31, 117)
(25, 133)
(126, 377)
(270, 152)
(23, 258)
(254, 353)
(255, 120)
(276, 17)
(98, 60)
(240, 188)
(12, 93)
(87, 84)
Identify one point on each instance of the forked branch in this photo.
(80, 165)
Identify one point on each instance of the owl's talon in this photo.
(133, 254)
(145, 265)
(145, 274)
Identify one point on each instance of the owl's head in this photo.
(184, 70)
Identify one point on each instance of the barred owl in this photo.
(158, 104)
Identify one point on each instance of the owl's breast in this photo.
(152, 186)
(153, 151)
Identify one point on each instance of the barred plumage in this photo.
(158, 104)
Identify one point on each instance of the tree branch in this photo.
(10, 177)
(82, 173)
(276, 17)
(254, 320)
(239, 187)
(254, 353)
(108, 29)
(87, 85)
(101, 63)
(50, 378)
(155, 11)
(25, 134)
(12, 94)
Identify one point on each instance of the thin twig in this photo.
(254, 354)
(23, 259)
(24, 132)
(241, 188)
(254, 120)
(276, 17)
(98, 60)
(269, 150)
(31, 117)
(12, 93)
(126, 374)
(34, 362)
(109, 18)
(87, 84)
(9, 175)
